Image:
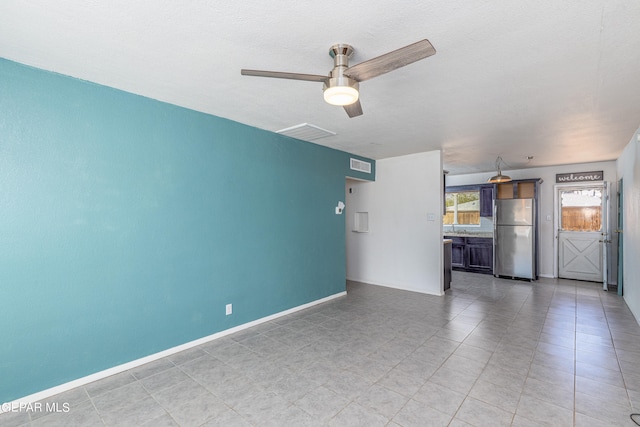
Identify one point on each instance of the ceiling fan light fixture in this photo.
(341, 95)
(341, 91)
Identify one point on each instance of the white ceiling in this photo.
(557, 80)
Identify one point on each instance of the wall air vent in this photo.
(360, 165)
(305, 132)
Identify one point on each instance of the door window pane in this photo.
(581, 209)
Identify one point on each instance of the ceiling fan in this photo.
(341, 86)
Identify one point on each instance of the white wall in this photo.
(546, 206)
(402, 249)
(629, 170)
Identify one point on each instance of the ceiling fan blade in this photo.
(284, 75)
(354, 110)
(391, 61)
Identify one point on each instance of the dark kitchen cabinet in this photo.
(473, 254)
(447, 265)
(486, 200)
(457, 252)
(480, 254)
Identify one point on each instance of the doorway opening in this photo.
(619, 232)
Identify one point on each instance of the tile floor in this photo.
(492, 352)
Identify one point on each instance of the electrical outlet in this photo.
(229, 309)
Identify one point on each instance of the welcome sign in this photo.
(580, 176)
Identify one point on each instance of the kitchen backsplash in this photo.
(486, 226)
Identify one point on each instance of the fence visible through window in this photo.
(581, 210)
(463, 208)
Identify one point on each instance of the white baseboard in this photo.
(392, 286)
(44, 394)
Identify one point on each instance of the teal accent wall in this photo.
(127, 225)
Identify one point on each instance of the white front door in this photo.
(582, 232)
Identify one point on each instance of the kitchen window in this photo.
(462, 208)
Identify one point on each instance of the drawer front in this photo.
(480, 241)
(456, 239)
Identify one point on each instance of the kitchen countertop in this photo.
(468, 234)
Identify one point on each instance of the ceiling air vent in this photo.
(305, 132)
(360, 166)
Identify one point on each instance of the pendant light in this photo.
(499, 178)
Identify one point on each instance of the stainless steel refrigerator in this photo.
(514, 238)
